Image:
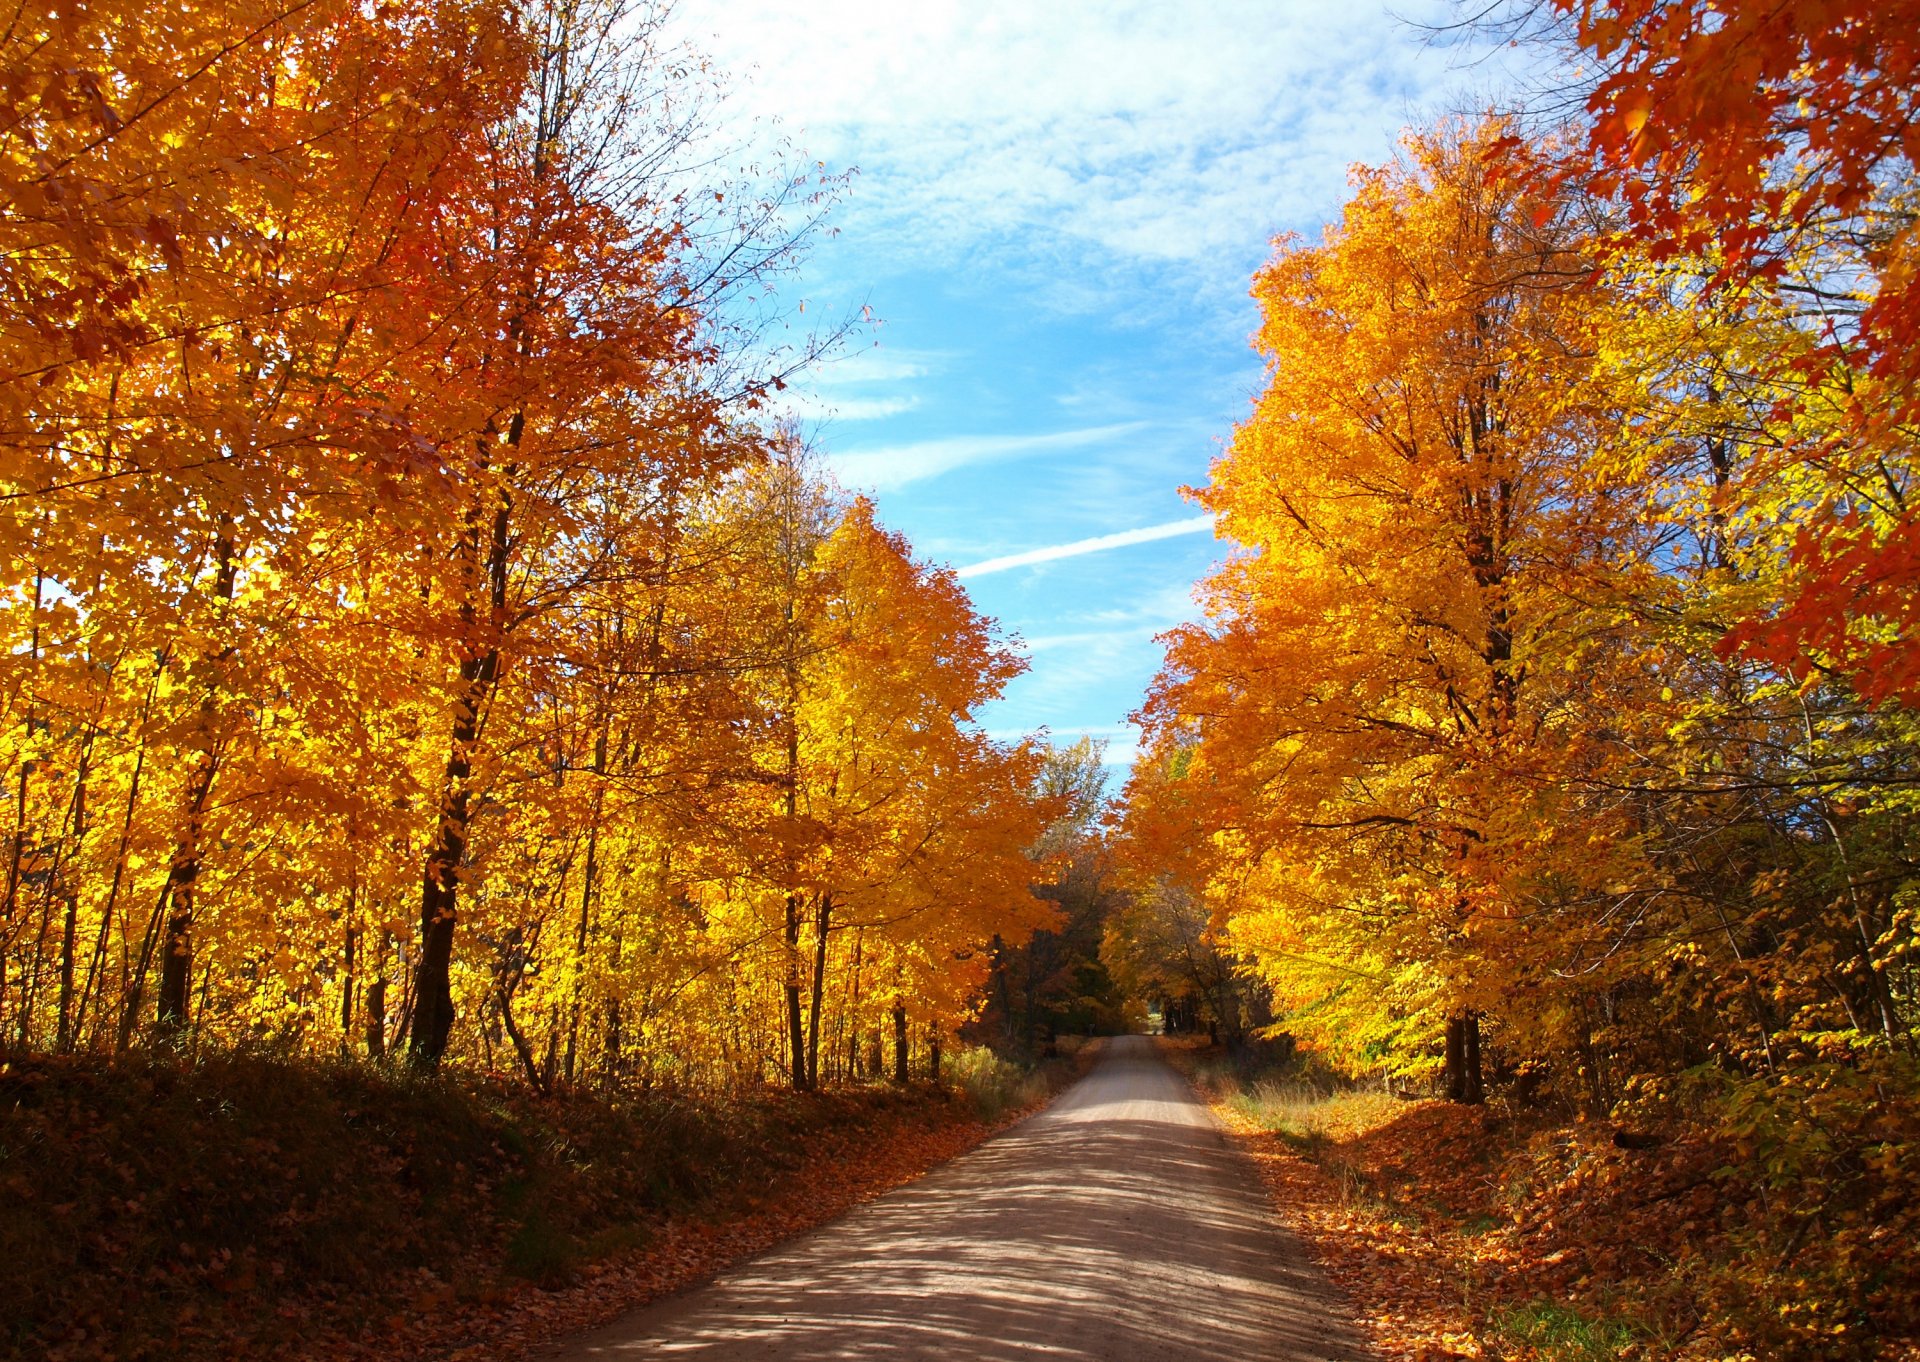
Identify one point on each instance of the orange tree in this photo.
(1362, 727)
(215, 222)
(1777, 145)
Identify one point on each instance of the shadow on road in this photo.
(1117, 1225)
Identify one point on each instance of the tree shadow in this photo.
(1119, 1224)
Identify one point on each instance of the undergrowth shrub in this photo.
(993, 1085)
(151, 1206)
(1713, 1214)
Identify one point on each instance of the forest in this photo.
(1546, 735)
(418, 637)
(434, 664)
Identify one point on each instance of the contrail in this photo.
(1098, 544)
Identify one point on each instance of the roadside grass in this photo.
(1310, 1115)
(1522, 1233)
(993, 1085)
(1410, 1203)
(1556, 1333)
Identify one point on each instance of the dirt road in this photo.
(1117, 1225)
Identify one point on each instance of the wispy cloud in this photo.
(1070, 731)
(1120, 742)
(888, 469)
(875, 365)
(1146, 534)
(866, 385)
(1132, 130)
(828, 406)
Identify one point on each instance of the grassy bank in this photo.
(1531, 1235)
(249, 1207)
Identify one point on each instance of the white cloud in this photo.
(1098, 544)
(1133, 130)
(1055, 694)
(1167, 604)
(1122, 740)
(874, 365)
(897, 466)
(866, 385)
(1074, 731)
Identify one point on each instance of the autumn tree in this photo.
(215, 221)
(888, 822)
(376, 417)
(1776, 147)
(1531, 707)
(1057, 980)
(1367, 687)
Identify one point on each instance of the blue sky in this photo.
(1057, 213)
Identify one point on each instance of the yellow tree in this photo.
(1366, 703)
(908, 825)
(874, 813)
(210, 221)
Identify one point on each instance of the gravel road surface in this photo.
(1119, 1225)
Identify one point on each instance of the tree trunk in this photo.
(796, 1021)
(69, 942)
(19, 846)
(1463, 1078)
(432, 1018)
(346, 986)
(592, 873)
(129, 1000)
(900, 1042)
(439, 909)
(376, 1021)
(822, 921)
(64, 879)
(853, 1007)
(176, 949)
(796, 1035)
(933, 1055)
(613, 1060)
(503, 996)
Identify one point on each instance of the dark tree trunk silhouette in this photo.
(1464, 1083)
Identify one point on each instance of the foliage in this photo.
(1778, 145)
(417, 637)
(1548, 734)
(1059, 981)
(1161, 945)
(195, 1211)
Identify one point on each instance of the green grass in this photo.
(1561, 1335)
